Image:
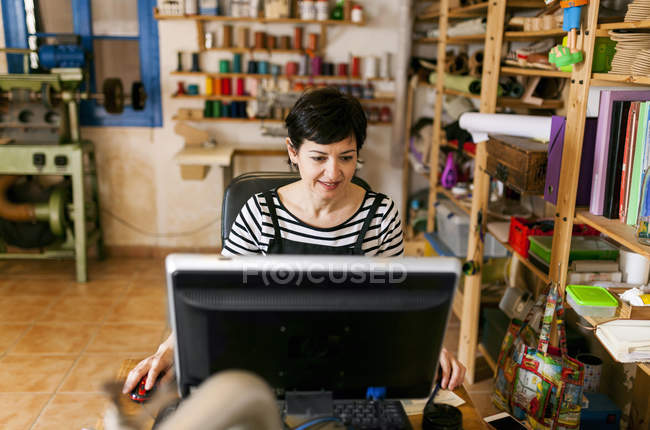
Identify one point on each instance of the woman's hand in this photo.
(152, 366)
(453, 373)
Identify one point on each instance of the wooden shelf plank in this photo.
(479, 9)
(452, 92)
(463, 205)
(532, 35)
(624, 79)
(461, 40)
(264, 50)
(215, 97)
(603, 29)
(521, 71)
(259, 120)
(616, 230)
(514, 103)
(541, 275)
(248, 19)
(267, 76)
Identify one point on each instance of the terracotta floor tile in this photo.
(35, 287)
(32, 373)
(140, 309)
(148, 288)
(20, 410)
(92, 370)
(72, 411)
(23, 308)
(136, 338)
(79, 309)
(55, 339)
(10, 333)
(99, 288)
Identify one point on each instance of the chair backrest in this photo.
(244, 186)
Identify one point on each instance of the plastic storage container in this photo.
(590, 301)
(582, 248)
(453, 230)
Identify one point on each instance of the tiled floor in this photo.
(60, 340)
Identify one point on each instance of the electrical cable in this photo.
(315, 421)
(153, 234)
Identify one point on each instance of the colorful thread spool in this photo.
(180, 88)
(297, 38)
(226, 86)
(193, 89)
(216, 86)
(270, 41)
(195, 62)
(356, 67)
(285, 42)
(276, 70)
(209, 88)
(225, 111)
(236, 63)
(216, 108)
(252, 67)
(240, 86)
(312, 42)
(342, 69)
(291, 68)
(470, 268)
(224, 66)
(260, 40)
(263, 67)
(226, 36)
(242, 37)
(316, 66)
(207, 109)
(303, 66)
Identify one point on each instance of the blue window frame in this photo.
(92, 113)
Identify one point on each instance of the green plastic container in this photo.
(582, 248)
(590, 301)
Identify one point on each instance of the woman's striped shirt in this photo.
(253, 229)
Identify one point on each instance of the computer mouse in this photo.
(139, 394)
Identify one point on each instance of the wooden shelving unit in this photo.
(621, 79)
(521, 71)
(257, 120)
(268, 76)
(533, 35)
(617, 231)
(462, 204)
(235, 98)
(220, 18)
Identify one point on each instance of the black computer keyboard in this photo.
(372, 414)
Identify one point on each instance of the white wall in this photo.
(141, 183)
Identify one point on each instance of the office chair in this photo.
(248, 184)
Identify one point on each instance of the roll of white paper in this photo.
(479, 125)
(635, 267)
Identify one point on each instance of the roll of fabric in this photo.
(479, 125)
(467, 84)
(226, 36)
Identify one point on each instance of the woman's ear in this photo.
(291, 149)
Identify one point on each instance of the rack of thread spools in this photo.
(230, 86)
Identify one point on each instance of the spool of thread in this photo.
(236, 63)
(242, 37)
(276, 70)
(216, 86)
(356, 67)
(193, 89)
(316, 66)
(303, 66)
(179, 59)
(635, 267)
(225, 111)
(225, 87)
(270, 42)
(593, 370)
(260, 40)
(224, 66)
(297, 38)
(234, 109)
(263, 67)
(191, 7)
(312, 43)
(226, 36)
(387, 66)
(240, 86)
(285, 42)
(371, 68)
(216, 108)
(195, 62)
(343, 69)
(291, 68)
(242, 110)
(209, 89)
(252, 67)
(207, 109)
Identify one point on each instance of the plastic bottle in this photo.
(338, 11)
(357, 13)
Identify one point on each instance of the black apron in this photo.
(279, 245)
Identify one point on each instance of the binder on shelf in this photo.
(628, 158)
(638, 166)
(620, 111)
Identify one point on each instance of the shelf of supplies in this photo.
(603, 29)
(541, 275)
(267, 76)
(616, 230)
(425, 40)
(479, 9)
(215, 97)
(465, 206)
(532, 35)
(252, 120)
(455, 147)
(461, 40)
(249, 19)
(488, 358)
(623, 79)
(518, 103)
(265, 50)
(521, 71)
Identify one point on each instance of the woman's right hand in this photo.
(152, 366)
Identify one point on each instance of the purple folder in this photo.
(555, 148)
(607, 97)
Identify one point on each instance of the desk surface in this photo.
(471, 417)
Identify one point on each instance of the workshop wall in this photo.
(139, 180)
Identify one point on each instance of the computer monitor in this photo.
(310, 323)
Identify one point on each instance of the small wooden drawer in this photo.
(518, 162)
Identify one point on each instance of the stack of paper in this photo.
(626, 340)
(638, 10)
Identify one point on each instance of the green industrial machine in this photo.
(48, 181)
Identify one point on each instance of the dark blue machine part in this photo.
(53, 56)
